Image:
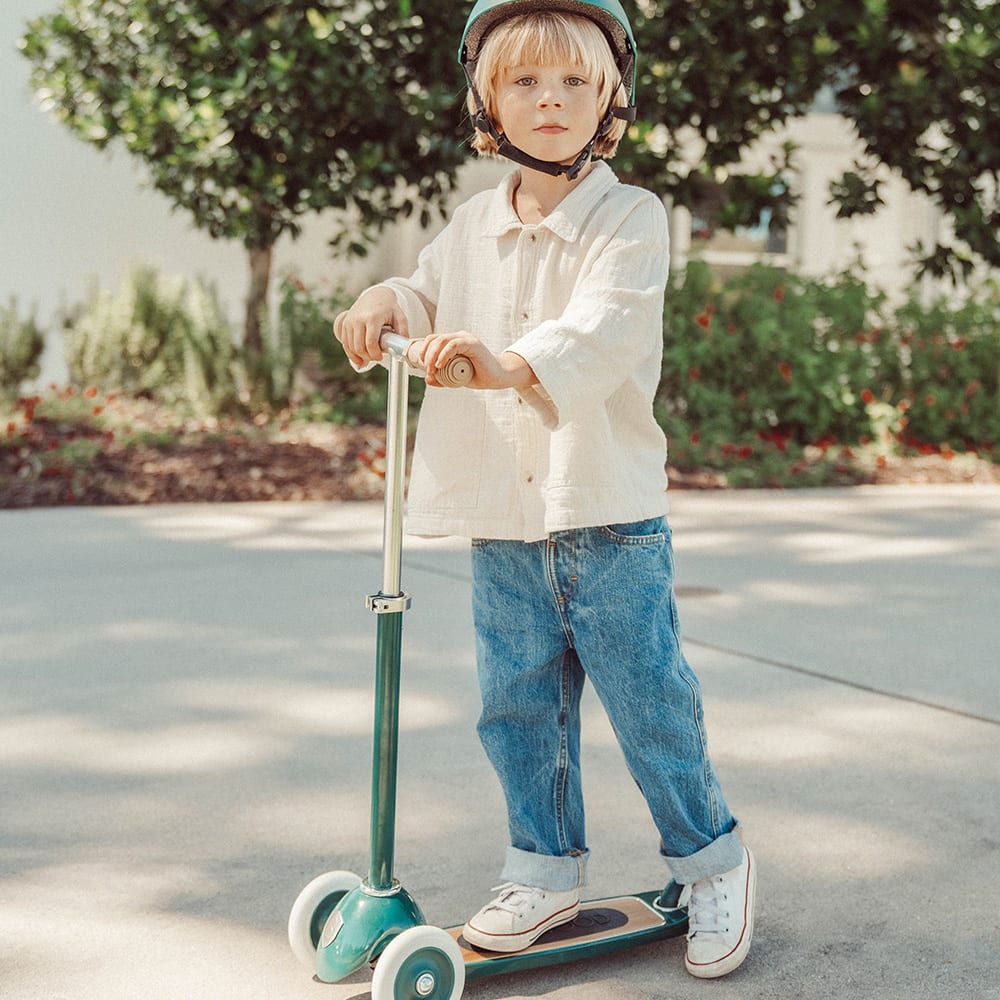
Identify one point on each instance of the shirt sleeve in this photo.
(417, 295)
(612, 326)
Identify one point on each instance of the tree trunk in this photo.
(255, 359)
(256, 315)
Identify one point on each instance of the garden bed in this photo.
(85, 449)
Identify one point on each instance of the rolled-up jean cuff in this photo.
(722, 855)
(546, 871)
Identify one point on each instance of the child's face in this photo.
(550, 112)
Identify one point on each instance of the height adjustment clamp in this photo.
(387, 604)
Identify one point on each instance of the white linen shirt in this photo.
(580, 297)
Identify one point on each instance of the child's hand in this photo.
(491, 371)
(359, 329)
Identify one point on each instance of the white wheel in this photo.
(422, 963)
(310, 910)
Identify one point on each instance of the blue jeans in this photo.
(598, 603)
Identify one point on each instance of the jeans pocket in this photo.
(652, 531)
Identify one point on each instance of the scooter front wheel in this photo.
(422, 963)
(311, 909)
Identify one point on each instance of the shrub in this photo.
(768, 362)
(162, 337)
(949, 370)
(325, 379)
(21, 346)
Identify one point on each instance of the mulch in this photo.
(332, 463)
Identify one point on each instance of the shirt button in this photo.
(532, 237)
(529, 478)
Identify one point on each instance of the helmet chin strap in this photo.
(506, 148)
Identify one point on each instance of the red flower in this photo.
(695, 437)
(786, 371)
(91, 392)
(779, 294)
(704, 319)
(745, 451)
(867, 396)
(694, 374)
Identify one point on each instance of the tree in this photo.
(250, 114)
(920, 81)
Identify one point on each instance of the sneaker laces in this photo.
(707, 907)
(514, 898)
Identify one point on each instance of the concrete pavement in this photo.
(185, 742)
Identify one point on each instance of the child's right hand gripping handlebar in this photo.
(457, 373)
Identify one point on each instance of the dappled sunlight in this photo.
(91, 923)
(855, 547)
(346, 527)
(113, 637)
(313, 822)
(257, 723)
(834, 847)
(844, 730)
(76, 743)
(816, 595)
(337, 710)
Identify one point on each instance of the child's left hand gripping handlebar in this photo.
(457, 373)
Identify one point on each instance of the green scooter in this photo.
(340, 922)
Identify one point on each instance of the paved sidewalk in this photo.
(185, 742)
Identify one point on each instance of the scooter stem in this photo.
(389, 604)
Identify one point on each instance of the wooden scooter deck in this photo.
(602, 926)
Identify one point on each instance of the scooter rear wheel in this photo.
(422, 963)
(310, 911)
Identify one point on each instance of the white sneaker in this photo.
(519, 916)
(720, 920)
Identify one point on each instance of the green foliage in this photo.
(21, 346)
(327, 384)
(920, 82)
(948, 381)
(251, 115)
(157, 336)
(777, 379)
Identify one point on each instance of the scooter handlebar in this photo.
(457, 373)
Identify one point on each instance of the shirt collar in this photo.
(568, 217)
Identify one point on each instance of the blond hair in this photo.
(547, 39)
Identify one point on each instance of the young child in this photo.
(553, 465)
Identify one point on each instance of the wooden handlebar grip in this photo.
(456, 373)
